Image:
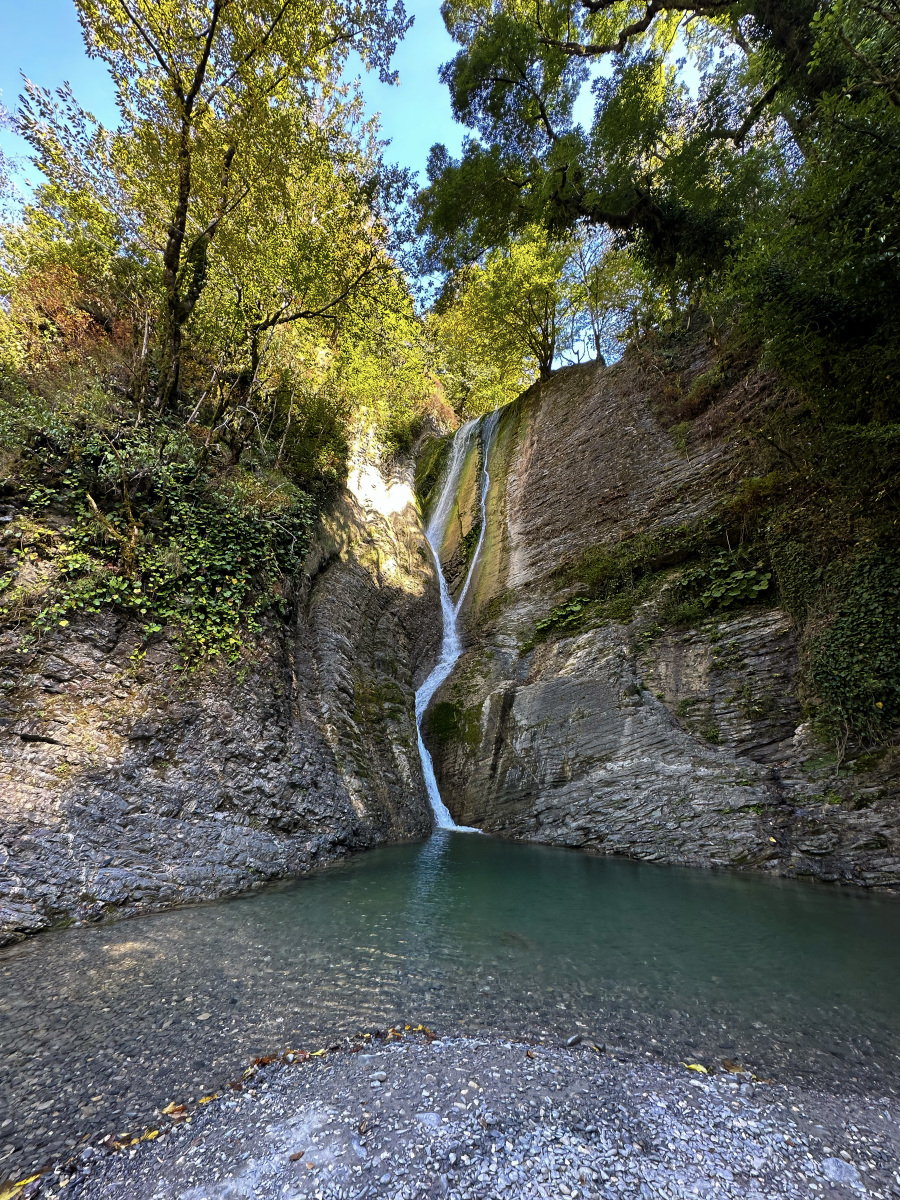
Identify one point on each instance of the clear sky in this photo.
(43, 39)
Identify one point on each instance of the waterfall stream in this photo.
(451, 643)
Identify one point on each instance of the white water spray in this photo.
(451, 644)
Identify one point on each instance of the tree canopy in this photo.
(215, 98)
(774, 179)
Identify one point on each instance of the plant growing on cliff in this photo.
(148, 531)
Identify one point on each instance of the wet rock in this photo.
(619, 736)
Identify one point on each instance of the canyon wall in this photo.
(127, 784)
(613, 731)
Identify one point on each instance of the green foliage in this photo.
(202, 313)
(725, 580)
(149, 530)
(856, 666)
(820, 284)
(561, 619)
(220, 104)
(771, 195)
(680, 433)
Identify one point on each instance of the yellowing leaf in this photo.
(148, 1137)
(696, 1067)
(206, 1099)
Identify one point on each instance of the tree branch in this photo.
(652, 11)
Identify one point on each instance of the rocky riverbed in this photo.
(408, 1115)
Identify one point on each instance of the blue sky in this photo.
(43, 38)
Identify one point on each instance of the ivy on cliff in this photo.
(136, 519)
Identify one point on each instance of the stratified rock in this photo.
(680, 745)
(126, 785)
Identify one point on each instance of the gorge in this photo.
(450, 600)
(560, 739)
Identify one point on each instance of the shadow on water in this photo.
(463, 934)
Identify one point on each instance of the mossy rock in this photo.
(446, 723)
(429, 468)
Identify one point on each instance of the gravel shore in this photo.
(406, 1116)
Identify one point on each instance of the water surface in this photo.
(464, 933)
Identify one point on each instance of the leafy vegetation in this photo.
(768, 192)
(204, 310)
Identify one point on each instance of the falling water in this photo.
(451, 644)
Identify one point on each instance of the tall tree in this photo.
(655, 161)
(202, 88)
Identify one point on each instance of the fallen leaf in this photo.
(696, 1067)
(732, 1067)
(317, 1053)
(206, 1099)
(296, 1157)
(153, 1133)
(173, 1109)
(529, 1054)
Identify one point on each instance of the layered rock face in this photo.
(681, 745)
(126, 785)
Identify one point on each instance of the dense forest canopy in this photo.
(773, 182)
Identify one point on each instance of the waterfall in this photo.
(451, 644)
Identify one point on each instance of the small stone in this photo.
(379, 1076)
(431, 1119)
(575, 1040)
(839, 1171)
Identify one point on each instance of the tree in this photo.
(208, 92)
(498, 324)
(658, 166)
(607, 296)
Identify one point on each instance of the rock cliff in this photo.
(596, 725)
(126, 785)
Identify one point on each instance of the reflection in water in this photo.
(460, 933)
